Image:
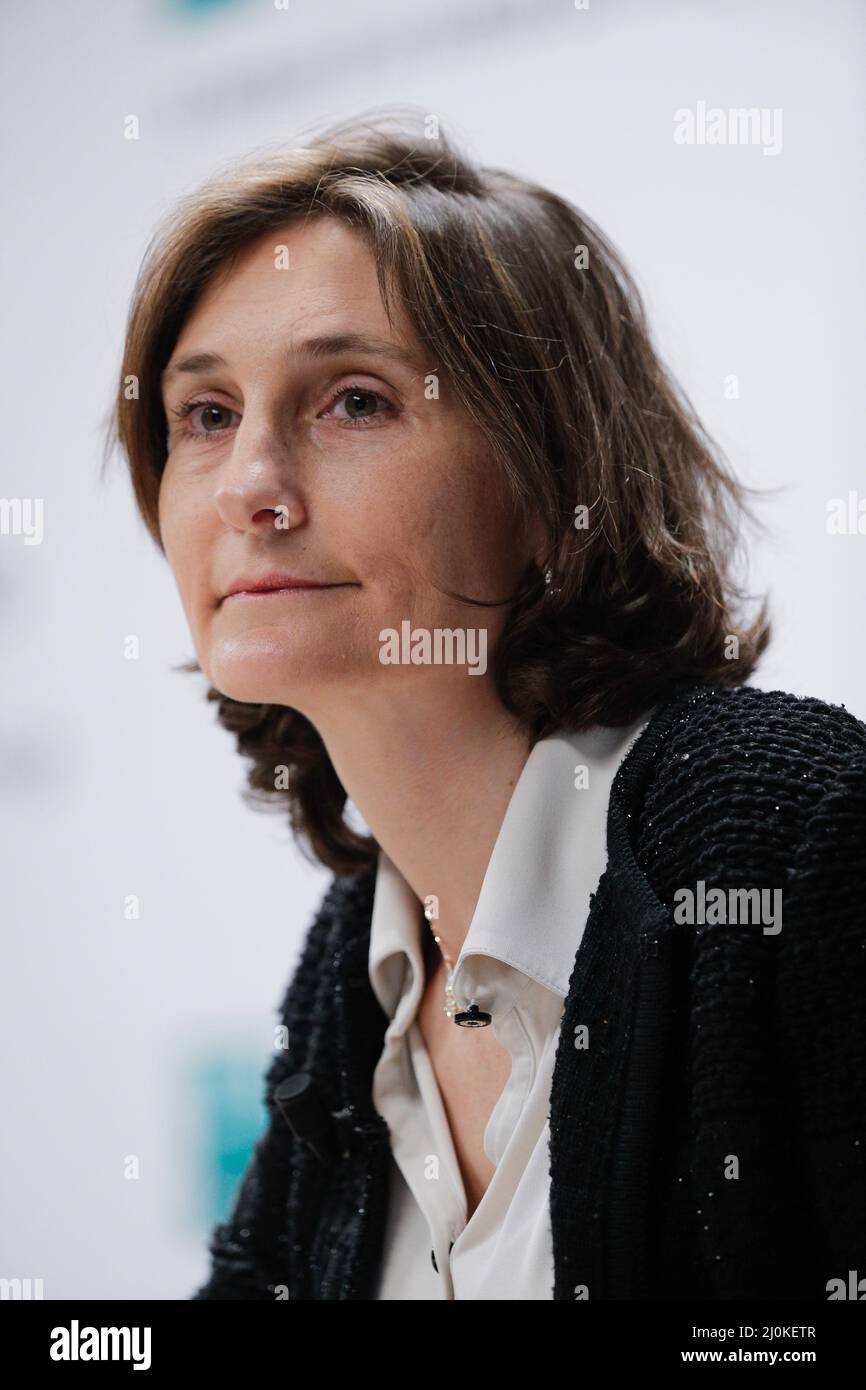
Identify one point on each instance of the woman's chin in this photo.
(270, 675)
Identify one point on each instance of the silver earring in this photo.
(548, 581)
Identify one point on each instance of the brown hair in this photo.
(542, 333)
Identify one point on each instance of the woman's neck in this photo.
(432, 773)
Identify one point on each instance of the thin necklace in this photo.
(473, 1017)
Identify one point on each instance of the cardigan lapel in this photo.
(357, 1229)
(616, 1033)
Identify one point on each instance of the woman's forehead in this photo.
(316, 281)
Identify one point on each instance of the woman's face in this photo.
(378, 492)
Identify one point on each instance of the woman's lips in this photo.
(282, 592)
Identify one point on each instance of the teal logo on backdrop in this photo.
(202, 7)
(228, 1093)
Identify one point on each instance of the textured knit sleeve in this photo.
(248, 1251)
(767, 790)
(822, 1019)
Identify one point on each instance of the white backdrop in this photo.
(116, 779)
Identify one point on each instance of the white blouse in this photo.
(517, 961)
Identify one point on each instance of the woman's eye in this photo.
(360, 404)
(209, 418)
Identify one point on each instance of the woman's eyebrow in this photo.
(322, 346)
(329, 344)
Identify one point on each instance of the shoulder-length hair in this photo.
(542, 333)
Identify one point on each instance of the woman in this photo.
(581, 1015)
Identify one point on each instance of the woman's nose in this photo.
(258, 486)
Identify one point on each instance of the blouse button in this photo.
(433, 1256)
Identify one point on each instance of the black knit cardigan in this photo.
(710, 1141)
